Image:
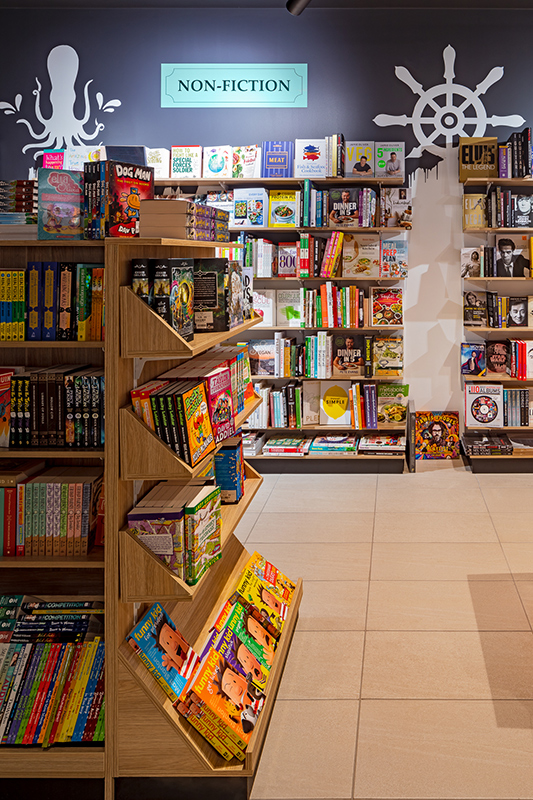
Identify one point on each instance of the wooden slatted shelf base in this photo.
(64, 762)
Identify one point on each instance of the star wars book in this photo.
(437, 434)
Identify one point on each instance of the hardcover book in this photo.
(163, 650)
(394, 257)
(437, 434)
(475, 308)
(247, 161)
(264, 301)
(186, 161)
(218, 162)
(277, 159)
(389, 159)
(262, 356)
(182, 316)
(348, 355)
(386, 305)
(288, 308)
(473, 359)
(388, 358)
(396, 208)
(478, 157)
(287, 258)
(60, 204)
(282, 209)
(335, 403)
(310, 158)
(128, 185)
(483, 405)
(361, 255)
(523, 211)
(359, 161)
(343, 205)
(474, 211)
(471, 262)
(250, 207)
(159, 159)
(218, 300)
(393, 400)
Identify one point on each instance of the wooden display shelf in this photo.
(349, 456)
(523, 428)
(486, 329)
(57, 762)
(203, 759)
(256, 378)
(15, 452)
(144, 456)
(499, 182)
(152, 337)
(277, 181)
(497, 230)
(332, 278)
(302, 229)
(143, 575)
(95, 560)
(334, 428)
(315, 328)
(51, 243)
(56, 345)
(516, 455)
(496, 378)
(248, 409)
(492, 278)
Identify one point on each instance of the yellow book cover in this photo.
(55, 694)
(58, 691)
(2, 300)
(474, 211)
(282, 209)
(279, 584)
(478, 157)
(81, 686)
(9, 306)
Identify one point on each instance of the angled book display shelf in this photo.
(147, 737)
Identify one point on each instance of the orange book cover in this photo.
(324, 306)
(193, 414)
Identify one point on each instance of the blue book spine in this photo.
(25, 694)
(277, 159)
(49, 299)
(307, 203)
(89, 694)
(319, 223)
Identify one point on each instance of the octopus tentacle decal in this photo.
(62, 128)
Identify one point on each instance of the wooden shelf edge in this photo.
(274, 181)
(248, 410)
(65, 762)
(326, 456)
(6, 452)
(95, 560)
(334, 428)
(367, 329)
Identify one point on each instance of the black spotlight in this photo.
(295, 7)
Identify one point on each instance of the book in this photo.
(159, 159)
(484, 405)
(127, 185)
(437, 434)
(60, 204)
(247, 161)
(359, 159)
(282, 208)
(289, 310)
(287, 259)
(396, 207)
(471, 262)
(348, 355)
(264, 304)
(163, 650)
(202, 532)
(386, 305)
(182, 314)
(185, 161)
(478, 157)
(310, 158)
(474, 211)
(361, 255)
(343, 207)
(5, 406)
(217, 295)
(218, 162)
(194, 421)
(335, 403)
(475, 308)
(262, 356)
(393, 401)
(523, 211)
(277, 159)
(389, 159)
(394, 257)
(473, 359)
(387, 357)
(334, 444)
(517, 316)
(250, 207)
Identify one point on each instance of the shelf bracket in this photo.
(138, 366)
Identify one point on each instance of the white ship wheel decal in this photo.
(446, 120)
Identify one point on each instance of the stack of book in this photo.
(333, 444)
(18, 225)
(229, 470)
(51, 671)
(48, 512)
(486, 444)
(182, 526)
(287, 446)
(19, 196)
(253, 441)
(382, 445)
(183, 219)
(53, 407)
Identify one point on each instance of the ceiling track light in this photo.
(295, 7)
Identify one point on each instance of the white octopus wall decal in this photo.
(62, 128)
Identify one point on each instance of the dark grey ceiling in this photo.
(314, 4)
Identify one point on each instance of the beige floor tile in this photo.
(326, 493)
(314, 527)
(349, 561)
(525, 590)
(520, 558)
(310, 673)
(309, 751)
(244, 528)
(447, 665)
(507, 492)
(392, 561)
(436, 495)
(445, 606)
(432, 526)
(333, 605)
(263, 493)
(426, 750)
(513, 526)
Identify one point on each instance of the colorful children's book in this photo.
(5, 405)
(279, 584)
(195, 425)
(163, 650)
(128, 184)
(60, 205)
(257, 591)
(237, 654)
(202, 533)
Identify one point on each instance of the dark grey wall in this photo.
(351, 56)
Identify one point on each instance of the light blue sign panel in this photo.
(233, 85)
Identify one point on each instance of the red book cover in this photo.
(5, 405)
(220, 403)
(10, 521)
(128, 185)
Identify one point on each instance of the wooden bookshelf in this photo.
(301, 228)
(499, 182)
(497, 230)
(288, 182)
(64, 762)
(333, 429)
(351, 278)
(363, 330)
(355, 378)
(501, 331)
(94, 560)
(484, 280)
(79, 452)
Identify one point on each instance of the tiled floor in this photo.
(411, 669)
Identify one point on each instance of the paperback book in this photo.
(185, 161)
(473, 359)
(437, 434)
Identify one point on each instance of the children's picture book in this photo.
(218, 162)
(288, 308)
(393, 400)
(471, 262)
(280, 584)
(196, 422)
(250, 207)
(475, 308)
(202, 533)
(257, 591)
(186, 161)
(60, 204)
(343, 207)
(53, 159)
(128, 185)
(473, 359)
(252, 628)
(76, 157)
(247, 161)
(361, 255)
(282, 208)
(262, 356)
(264, 301)
(5, 405)
(310, 158)
(483, 405)
(335, 403)
(220, 403)
(394, 257)
(277, 159)
(396, 207)
(389, 159)
(359, 162)
(163, 650)
(386, 305)
(182, 297)
(474, 211)
(437, 434)
(388, 358)
(238, 655)
(348, 355)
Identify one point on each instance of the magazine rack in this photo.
(148, 737)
